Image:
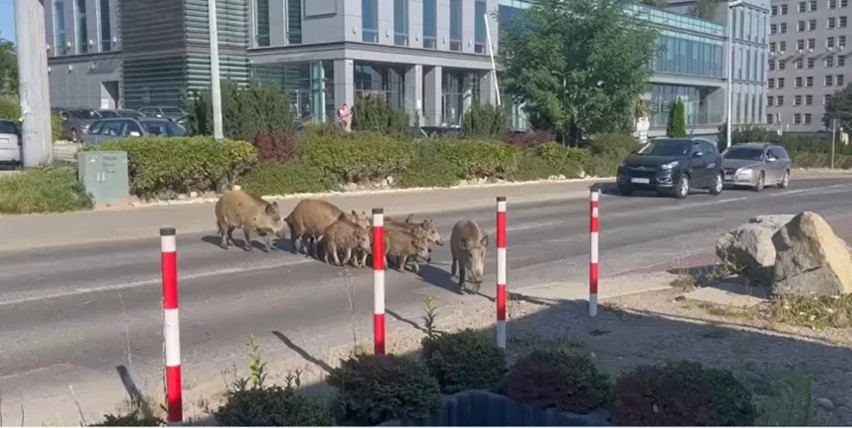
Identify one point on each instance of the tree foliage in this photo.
(246, 111)
(8, 68)
(677, 120)
(484, 120)
(840, 108)
(578, 65)
(372, 112)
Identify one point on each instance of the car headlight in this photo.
(745, 171)
(669, 166)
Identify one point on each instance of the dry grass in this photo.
(812, 311)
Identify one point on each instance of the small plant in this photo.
(791, 404)
(559, 379)
(464, 360)
(684, 281)
(134, 418)
(430, 317)
(814, 312)
(257, 367)
(682, 393)
(378, 388)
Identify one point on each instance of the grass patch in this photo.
(812, 311)
(50, 189)
(685, 282)
(273, 178)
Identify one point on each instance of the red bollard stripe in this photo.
(175, 409)
(170, 294)
(593, 278)
(378, 248)
(379, 333)
(501, 302)
(501, 229)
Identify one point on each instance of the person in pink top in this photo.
(345, 115)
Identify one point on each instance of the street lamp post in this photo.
(729, 65)
(833, 138)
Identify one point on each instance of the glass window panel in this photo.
(370, 21)
(400, 22)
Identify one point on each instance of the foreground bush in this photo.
(683, 393)
(355, 157)
(134, 418)
(163, 166)
(374, 389)
(273, 178)
(607, 151)
(464, 360)
(531, 138)
(272, 406)
(473, 157)
(557, 379)
(43, 190)
(278, 147)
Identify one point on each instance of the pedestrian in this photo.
(345, 116)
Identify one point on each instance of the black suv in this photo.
(672, 166)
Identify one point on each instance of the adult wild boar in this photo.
(238, 209)
(405, 245)
(427, 225)
(347, 236)
(467, 245)
(308, 220)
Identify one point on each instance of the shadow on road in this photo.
(302, 353)
(256, 243)
(438, 277)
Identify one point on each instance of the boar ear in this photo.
(354, 214)
(270, 208)
(484, 241)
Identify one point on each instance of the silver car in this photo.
(756, 165)
(10, 143)
(127, 127)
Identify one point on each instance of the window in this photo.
(783, 28)
(801, 26)
(400, 22)
(106, 29)
(771, 65)
(829, 42)
(780, 83)
(800, 44)
(779, 101)
(797, 100)
(841, 40)
(82, 26)
(294, 22)
(826, 99)
(480, 38)
(797, 119)
(131, 127)
(844, 3)
(769, 118)
(829, 80)
(839, 80)
(782, 65)
(261, 23)
(811, 43)
(809, 100)
(370, 21)
(812, 25)
(769, 101)
(782, 46)
(798, 63)
(807, 118)
(829, 61)
(832, 23)
(770, 83)
(430, 24)
(774, 10)
(809, 82)
(773, 28)
(455, 25)
(784, 9)
(842, 22)
(772, 47)
(841, 61)
(798, 82)
(59, 27)
(832, 4)
(803, 7)
(813, 5)
(811, 62)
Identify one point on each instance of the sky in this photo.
(7, 20)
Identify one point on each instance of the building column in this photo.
(317, 92)
(487, 88)
(414, 93)
(432, 95)
(344, 82)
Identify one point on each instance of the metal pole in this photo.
(729, 73)
(33, 83)
(493, 64)
(833, 138)
(216, 88)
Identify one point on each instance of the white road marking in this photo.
(19, 298)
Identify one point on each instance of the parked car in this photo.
(75, 122)
(109, 129)
(164, 112)
(11, 143)
(183, 121)
(672, 166)
(756, 165)
(107, 113)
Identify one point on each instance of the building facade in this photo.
(807, 62)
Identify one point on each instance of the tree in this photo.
(372, 112)
(660, 4)
(8, 68)
(484, 120)
(578, 65)
(704, 9)
(257, 107)
(677, 120)
(840, 108)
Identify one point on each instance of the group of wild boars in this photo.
(467, 245)
(423, 230)
(237, 209)
(407, 245)
(347, 236)
(311, 217)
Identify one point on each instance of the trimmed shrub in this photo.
(356, 157)
(464, 360)
(160, 166)
(682, 393)
(374, 389)
(677, 120)
(272, 406)
(429, 170)
(246, 110)
(10, 108)
(484, 120)
(557, 379)
(273, 178)
(607, 151)
(56, 127)
(48, 189)
(525, 139)
(275, 147)
(552, 159)
(373, 113)
(473, 157)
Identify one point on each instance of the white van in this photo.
(10, 143)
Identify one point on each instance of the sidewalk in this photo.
(608, 288)
(49, 230)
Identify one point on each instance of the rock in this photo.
(810, 260)
(825, 403)
(193, 195)
(750, 246)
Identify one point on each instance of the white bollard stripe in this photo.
(378, 292)
(501, 334)
(594, 255)
(596, 195)
(168, 244)
(501, 266)
(593, 304)
(501, 206)
(378, 220)
(595, 212)
(171, 332)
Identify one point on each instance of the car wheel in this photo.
(682, 188)
(761, 182)
(785, 181)
(718, 184)
(625, 190)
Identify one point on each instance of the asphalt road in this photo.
(69, 315)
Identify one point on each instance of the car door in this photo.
(774, 166)
(713, 160)
(111, 130)
(698, 165)
(92, 136)
(131, 129)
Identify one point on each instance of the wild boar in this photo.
(238, 209)
(309, 218)
(427, 225)
(347, 236)
(467, 245)
(404, 245)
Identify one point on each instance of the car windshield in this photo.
(665, 148)
(162, 128)
(108, 113)
(173, 110)
(744, 153)
(84, 114)
(7, 127)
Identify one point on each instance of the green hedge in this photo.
(357, 156)
(160, 166)
(273, 178)
(43, 190)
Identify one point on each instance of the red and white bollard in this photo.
(171, 326)
(594, 198)
(379, 281)
(501, 272)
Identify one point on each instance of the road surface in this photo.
(68, 315)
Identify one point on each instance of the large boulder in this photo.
(810, 260)
(750, 246)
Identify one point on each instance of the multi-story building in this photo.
(807, 62)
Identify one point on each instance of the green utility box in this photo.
(104, 175)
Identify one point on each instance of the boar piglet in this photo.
(238, 209)
(405, 245)
(467, 245)
(346, 236)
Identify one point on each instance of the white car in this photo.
(11, 144)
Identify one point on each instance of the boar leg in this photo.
(347, 256)
(247, 234)
(223, 236)
(462, 269)
(267, 241)
(329, 248)
(416, 267)
(454, 266)
(230, 231)
(402, 260)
